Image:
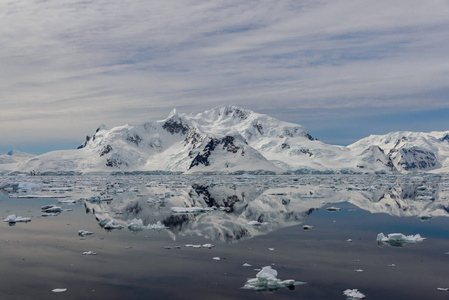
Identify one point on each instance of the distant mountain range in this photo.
(231, 140)
(14, 156)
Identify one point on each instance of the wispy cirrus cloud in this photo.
(87, 62)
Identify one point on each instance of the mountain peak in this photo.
(172, 113)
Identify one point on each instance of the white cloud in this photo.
(113, 62)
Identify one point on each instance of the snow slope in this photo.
(410, 151)
(229, 139)
(14, 156)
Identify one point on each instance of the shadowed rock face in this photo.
(175, 125)
(416, 158)
(228, 143)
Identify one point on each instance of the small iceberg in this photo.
(89, 253)
(266, 280)
(398, 239)
(51, 209)
(333, 208)
(11, 219)
(424, 217)
(83, 232)
(110, 225)
(353, 294)
(59, 290)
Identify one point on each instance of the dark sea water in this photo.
(46, 253)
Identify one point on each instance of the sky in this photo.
(344, 69)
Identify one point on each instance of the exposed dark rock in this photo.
(135, 138)
(417, 158)
(114, 162)
(106, 149)
(236, 113)
(85, 142)
(203, 157)
(285, 146)
(445, 138)
(307, 135)
(258, 127)
(175, 125)
(307, 152)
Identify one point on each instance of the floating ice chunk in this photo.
(307, 227)
(54, 214)
(67, 201)
(246, 265)
(333, 208)
(424, 217)
(443, 289)
(15, 219)
(271, 249)
(83, 232)
(51, 209)
(267, 279)
(391, 265)
(353, 294)
(359, 270)
(59, 290)
(89, 253)
(216, 258)
(111, 225)
(209, 246)
(158, 225)
(190, 210)
(136, 225)
(46, 206)
(349, 240)
(398, 239)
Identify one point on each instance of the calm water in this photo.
(46, 253)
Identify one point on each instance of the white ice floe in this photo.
(424, 217)
(353, 294)
(216, 258)
(59, 290)
(83, 232)
(349, 240)
(15, 219)
(333, 208)
(267, 279)
(89, 253)
(359, 270)
(51, 209)
(443, 289)
(398, 239)
(111, 225)
(66, 201)
(246, 265)
(209, 246)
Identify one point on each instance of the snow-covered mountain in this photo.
(228, 139)
(14, 156)
(406, 151)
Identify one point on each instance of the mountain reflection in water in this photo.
(248, 206)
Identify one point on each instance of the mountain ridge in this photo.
(229, 140)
